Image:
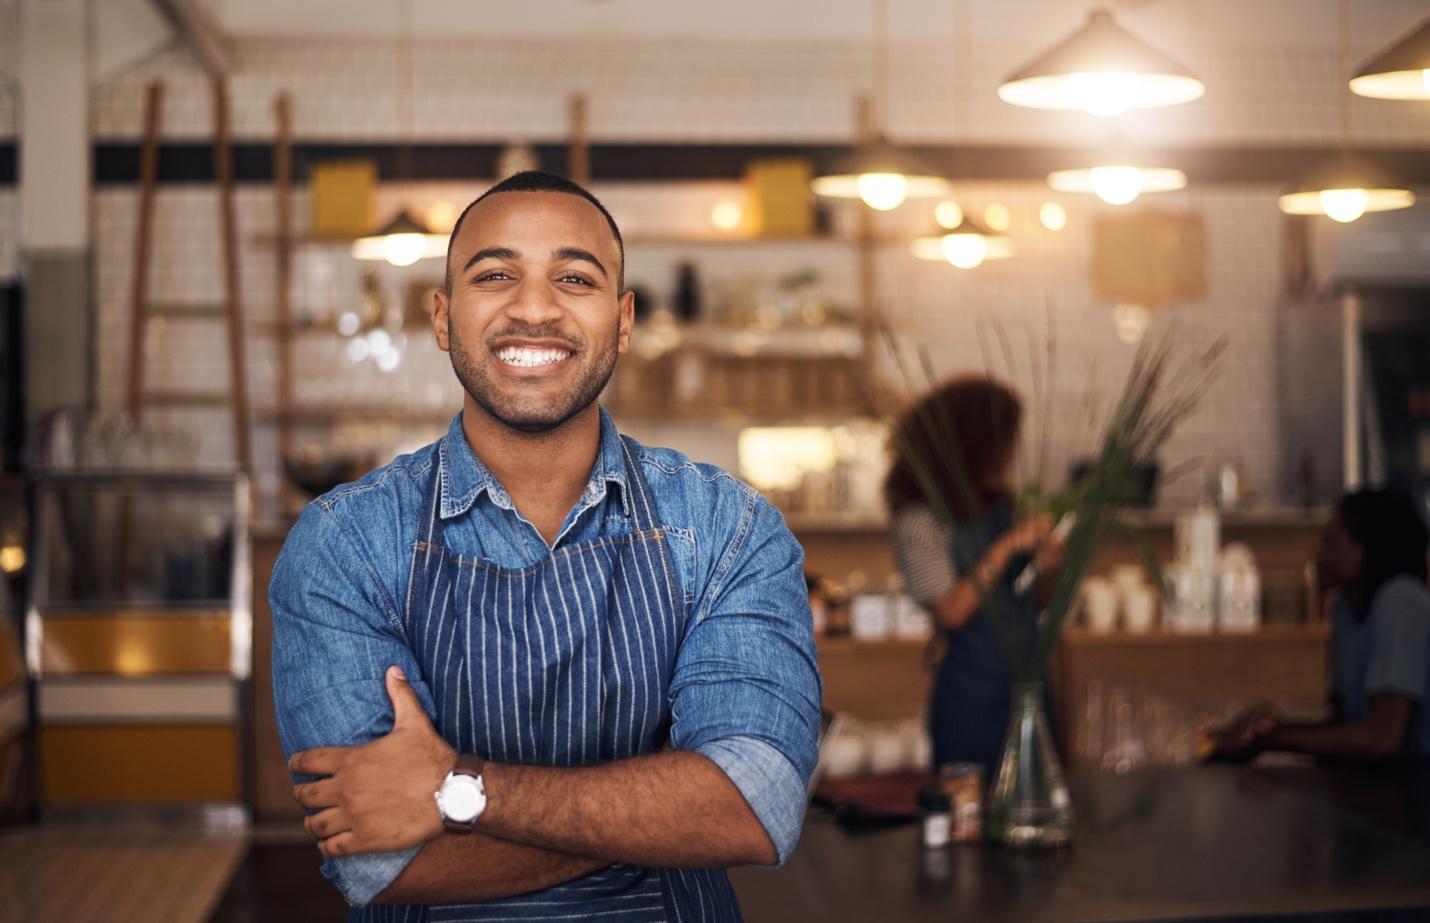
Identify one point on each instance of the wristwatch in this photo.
(463, 796)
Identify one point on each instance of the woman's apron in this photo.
(565, 663)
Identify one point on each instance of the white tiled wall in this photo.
(743, 92)
(938, 92)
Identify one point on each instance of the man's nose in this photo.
(534, 303)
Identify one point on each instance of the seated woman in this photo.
(946, 570)
(1373, 556)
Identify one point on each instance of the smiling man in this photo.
(537, 670)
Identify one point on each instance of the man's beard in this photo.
(554, 413)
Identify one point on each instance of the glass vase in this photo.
(1028, 805)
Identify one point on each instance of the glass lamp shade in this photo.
(402, 241)
(1102, 69)
(882, 176)
(1402, 71)
(1344, 188)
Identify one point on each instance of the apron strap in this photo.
(644, 508)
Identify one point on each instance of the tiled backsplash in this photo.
(343, 90)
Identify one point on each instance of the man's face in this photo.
(534, 320)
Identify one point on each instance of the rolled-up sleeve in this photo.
(335, 633)
(746, 691)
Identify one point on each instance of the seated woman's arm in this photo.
(1379, 735)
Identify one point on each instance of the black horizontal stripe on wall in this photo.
(118, 162)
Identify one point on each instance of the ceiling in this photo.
(1173, 24)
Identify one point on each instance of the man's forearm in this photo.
(674, 809)
(475, 867)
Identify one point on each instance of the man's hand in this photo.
(377, 797)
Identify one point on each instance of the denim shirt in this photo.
(746, 689)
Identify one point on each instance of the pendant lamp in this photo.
(405, 239)
(878, 173)
(882, 176)
(1345, 186)
(966, 246)
(1401, 71)
(1118, 175)
(1102, 69)
(402, 241)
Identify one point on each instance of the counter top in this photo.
(1214, 841)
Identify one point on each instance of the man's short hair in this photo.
(538, 181)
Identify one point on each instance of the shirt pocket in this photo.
(682, 554)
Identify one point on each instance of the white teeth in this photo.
(531, 358)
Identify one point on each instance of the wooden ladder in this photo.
(229, 310)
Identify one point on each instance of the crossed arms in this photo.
(745, 697)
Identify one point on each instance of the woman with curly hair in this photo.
(953, 458)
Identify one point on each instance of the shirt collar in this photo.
(463, 477)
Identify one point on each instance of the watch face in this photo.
(462, 798)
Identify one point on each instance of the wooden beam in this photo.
(238, 369)
(579, 158)
(283, 255)
(199, 33)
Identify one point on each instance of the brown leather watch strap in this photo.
(469, 764)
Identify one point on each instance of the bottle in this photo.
(686, 301)
(935, 816)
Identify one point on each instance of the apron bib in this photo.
(564, 663)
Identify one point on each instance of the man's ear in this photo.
(441, 318)
(627, 305)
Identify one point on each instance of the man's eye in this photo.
(496, 275)
(571, 277)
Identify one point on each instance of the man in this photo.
(537, 669)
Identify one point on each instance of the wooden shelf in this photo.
(837, 523)
(1315, 632)
(1270, 517)
(324, 416)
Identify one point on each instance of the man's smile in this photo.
(525, 357)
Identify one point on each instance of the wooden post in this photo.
(238, 369)
(866, 128)
(139, 288)
(283, 187)
(579, 155)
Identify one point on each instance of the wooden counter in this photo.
(1204, 843)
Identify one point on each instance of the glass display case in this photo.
(138, 633)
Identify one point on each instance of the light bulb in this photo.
(403, 249)
(964, 250)
(1116, 185)
(388, 359)
(948, 214)
(1105, 94)
(997, 216)
(727, 215)
(1053, 216)
(883, 191)
(378, 341)
(357, 350)
(349, 323)
(1344, 205)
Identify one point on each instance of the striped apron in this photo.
(565, 663)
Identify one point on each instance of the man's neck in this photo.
(544, 473)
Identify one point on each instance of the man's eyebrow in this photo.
(576, 253)
(490, 253)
